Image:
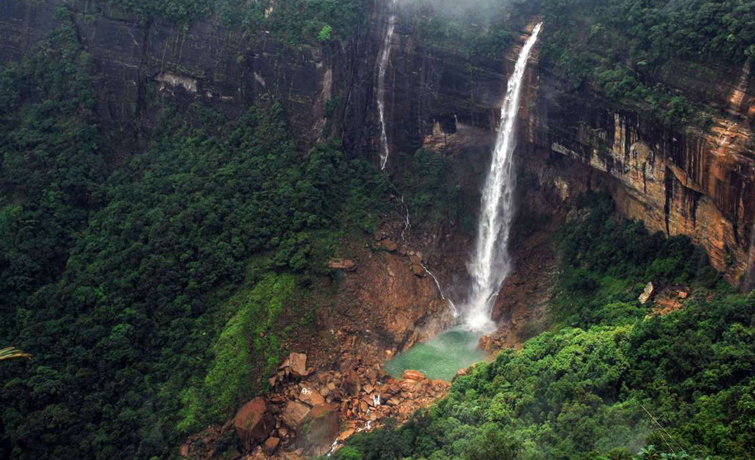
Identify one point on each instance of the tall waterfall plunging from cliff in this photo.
(385, 56)
(490, 262)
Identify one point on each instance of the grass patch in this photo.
(247, 340)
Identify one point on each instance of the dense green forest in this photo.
(610, 378)
(126, 284)
(628, 48)
(295, 22)
(149, 288)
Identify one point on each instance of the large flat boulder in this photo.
(342, 264)
(298, 363)
(295, 413)
(321, 428)
(253, 422)
(411, 374)
(310, 396)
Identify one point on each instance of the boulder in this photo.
(389, 245)
(351, 385)
(349, 432)
(294, 414)
(298, 363)
(441, 384)
(414, 375)
(418, 270)
(371, 375)
(321, 426)
(290, 456)
(253, 422)
(271, 445)
(342, 264)
(486, 343)
(647, 293)
(309, 396)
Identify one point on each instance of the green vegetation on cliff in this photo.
(627, 48)
(295, 22)
(611, 378)
(149, 290)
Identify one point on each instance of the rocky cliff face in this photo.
(144, 65)
(694, 182)
(689, 182)
(686, 181)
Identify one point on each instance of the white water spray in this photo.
(385, 56)
(490, 263)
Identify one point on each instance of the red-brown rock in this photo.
(298, 363)
(253, 422)
(342, 264)
(414, 375)
(310, 396)
(295, 413)
(271, 445)
(351, 385)
(371, 375)
(389, 245)
(321, 426)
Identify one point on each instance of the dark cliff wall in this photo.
(694, 182)
(144, 64)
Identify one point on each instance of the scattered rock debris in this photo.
(309, 413)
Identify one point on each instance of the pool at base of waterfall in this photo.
(440, 357)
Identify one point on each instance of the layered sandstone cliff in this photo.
(688, 181)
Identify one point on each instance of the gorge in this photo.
(236, 229)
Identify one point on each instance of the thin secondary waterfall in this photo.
(385, 56)
(490, 262)
(451, 303)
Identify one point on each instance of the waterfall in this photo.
(490, 262)
(385, 56)
(451, 303)
(407, 223)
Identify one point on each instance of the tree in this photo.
(492, 444)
